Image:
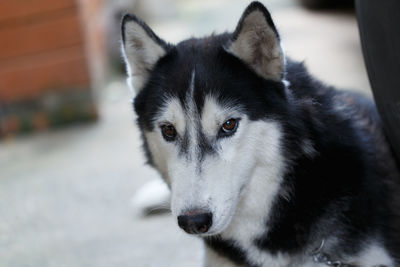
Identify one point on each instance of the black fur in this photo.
(130, 17)
(346, 188)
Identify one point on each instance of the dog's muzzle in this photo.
(195, 222)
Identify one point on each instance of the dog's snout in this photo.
(197, 222)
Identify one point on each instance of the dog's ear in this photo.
(256, 42)
(141, 49)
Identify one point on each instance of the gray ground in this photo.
(64, 195)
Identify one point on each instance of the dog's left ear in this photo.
(256, 42)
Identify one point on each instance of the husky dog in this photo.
(266, 164)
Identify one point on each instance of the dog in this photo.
(266, 164)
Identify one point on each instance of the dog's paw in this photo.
(152, 198)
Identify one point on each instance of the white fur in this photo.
(162, 151)
(223, 176)
(374, 255)
(249, 221)
(191, 115)
(173, 113)
(212, 259)
(215, 115)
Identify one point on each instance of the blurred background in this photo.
(70, 156)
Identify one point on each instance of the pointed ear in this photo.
(141, 49)
(256, 42)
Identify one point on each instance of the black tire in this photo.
(380, 38)
(313, 3)
(322, 4)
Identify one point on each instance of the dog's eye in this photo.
(168, 131)
(229, 127)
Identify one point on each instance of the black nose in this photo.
(195, 222)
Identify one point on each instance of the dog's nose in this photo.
(195, 222)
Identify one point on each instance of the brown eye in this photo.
(168, 131)
(229, 127)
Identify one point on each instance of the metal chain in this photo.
(320, 257)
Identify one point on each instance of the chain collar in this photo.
(320, 257)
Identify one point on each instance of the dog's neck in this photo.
(251, 218)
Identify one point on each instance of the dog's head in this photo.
(207, 109)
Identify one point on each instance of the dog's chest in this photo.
(373, 255)
(252, 255)
(250, 220)
(243, 235)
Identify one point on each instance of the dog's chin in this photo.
(212, 232)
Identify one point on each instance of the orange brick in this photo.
(12, 9)
(29, 77)
(38, 37)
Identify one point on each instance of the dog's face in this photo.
(207, 109)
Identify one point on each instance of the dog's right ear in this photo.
(141, 49)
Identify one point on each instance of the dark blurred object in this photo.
(113, 12)
(44, 78)
(318, 4)
(380, 38)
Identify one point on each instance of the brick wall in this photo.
(44, 77)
